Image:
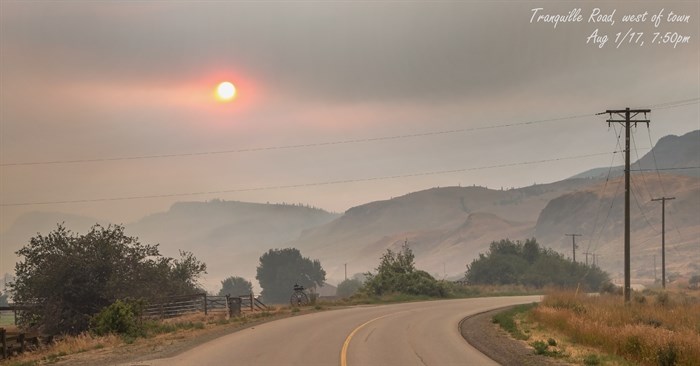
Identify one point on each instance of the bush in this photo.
(541, 348)
(121, 317)
(349, 287)
(397, 274)
(667, 356)
(662, 298)
(591, 360)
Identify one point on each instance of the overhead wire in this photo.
(592, 239)
(673, 104)
(663, 190)
(343, 181)
(297, 146)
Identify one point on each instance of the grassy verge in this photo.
(506, 319)
(656, 328)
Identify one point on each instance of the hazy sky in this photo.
(102, 80)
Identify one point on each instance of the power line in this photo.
(602, 195)
(303, 184)
(661, 183)
(666, 105)
(664, 169)
(299, 146)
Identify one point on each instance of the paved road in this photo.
(424, 333)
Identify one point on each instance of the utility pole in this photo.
(586, 254)
(655, 268)
(573, 243)
(627, 116)
(663, 237)
(346, 271)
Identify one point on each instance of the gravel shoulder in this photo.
(495, 343)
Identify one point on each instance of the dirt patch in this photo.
(494, 342)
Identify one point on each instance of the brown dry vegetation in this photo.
(161, 336)
(660, 328)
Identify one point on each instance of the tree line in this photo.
(529, 264)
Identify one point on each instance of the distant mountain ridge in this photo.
(669, 152)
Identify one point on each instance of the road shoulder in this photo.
(479, 331)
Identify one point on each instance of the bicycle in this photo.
(299, 297)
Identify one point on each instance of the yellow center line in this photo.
(346, 344)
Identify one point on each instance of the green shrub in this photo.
(667, 356)
(591, 360)
(541, 348)
(663, 299)
(552, 342)
(121, 317)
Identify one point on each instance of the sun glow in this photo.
(225, 91)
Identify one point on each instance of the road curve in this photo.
(419, 333)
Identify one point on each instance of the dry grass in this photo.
(159, 334)
(67, 346)
(654, 329)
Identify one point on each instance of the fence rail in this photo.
(173, 306)
(15, 342)
(180, 305)
(252, 303)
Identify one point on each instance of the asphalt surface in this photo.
(420, 333)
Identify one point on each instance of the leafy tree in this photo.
(67, 278)
(397, 274)
(280, 269)
(235, 286)
(349, 287)
(528, 264)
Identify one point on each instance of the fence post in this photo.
(205, 303)
(228, 307)
(235, 306)
(3, 341)
(252, 302)
(20, 339)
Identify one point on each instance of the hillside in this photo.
(446, 227)
(669, 152)
(598, 214)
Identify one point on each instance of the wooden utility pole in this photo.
(663, 237)
(573, 244)
(346, 271)
(655, 268)
(586, 254)
(627, 116)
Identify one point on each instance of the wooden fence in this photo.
(252, 303)
(15, 342)
(173, 306)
